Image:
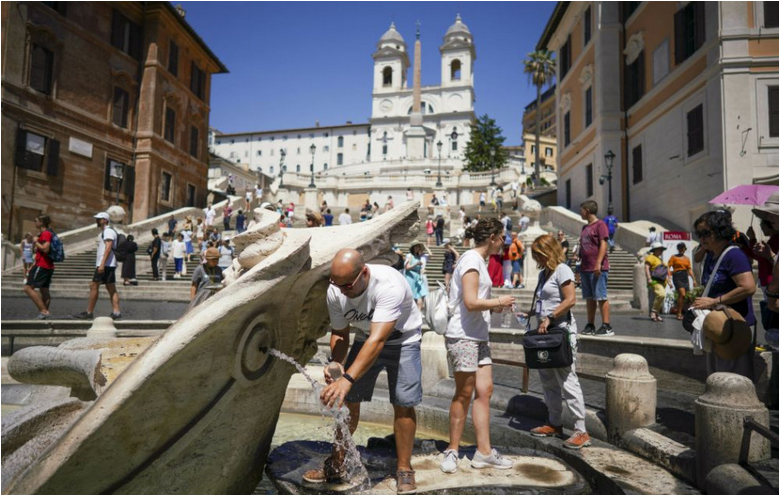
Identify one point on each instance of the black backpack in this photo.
(117, 246)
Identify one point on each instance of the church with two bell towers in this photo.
(407, 120)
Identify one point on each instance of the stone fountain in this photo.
(195, 410)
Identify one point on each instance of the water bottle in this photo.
(335, 370)
(506, 318)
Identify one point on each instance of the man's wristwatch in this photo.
(550, 316)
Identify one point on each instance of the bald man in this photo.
(378, 302)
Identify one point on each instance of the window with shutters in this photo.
(588, 106)
(549, 152)
(567, 128)
(589, 180)
(120, 107)
(695, 122)
(165, 187)
(568, 193)
(194, 141)
(340, 142)
(339, 159)
(198, 81)
(454, 144)
(774, 111)
(35, 151)
(637, 164)
(588, 25)
(173, 65)
(41, 69)
(565, 58)
(125, 35)
(634, 81)
(689, 31)
(169, 130)
(771, 14)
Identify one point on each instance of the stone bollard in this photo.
(631, 395)
(720, 412)
(102, 327)
(434, 362)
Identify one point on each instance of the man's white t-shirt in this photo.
(259, 193)
(345, 219)
(652, 238)
(107, 234)
(465, 324)
(388, 298)
(483, 197)
(524, 222)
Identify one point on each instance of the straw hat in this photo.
(728, 331)
(212, 253)
(771, 207)
(656, 246)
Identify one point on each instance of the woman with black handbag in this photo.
(553, 299)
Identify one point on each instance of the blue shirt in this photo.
(611, 223)
(328, 219)
(734, 262)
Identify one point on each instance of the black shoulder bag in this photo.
(546, 351)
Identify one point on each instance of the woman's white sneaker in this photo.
(493, 460)
(450, 461)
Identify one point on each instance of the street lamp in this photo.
(282, 165)
(312, 167)
(439, 183)
(116, 173)
(609, 161)
(492, 166)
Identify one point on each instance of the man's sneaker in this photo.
(493, 460)
(450, 460)
(605, 330)
(43, 316)
(547, 431)
(327, 473)
(577, 441)
(406, 482)
(83, 315)
(115, 316)
(589, 330)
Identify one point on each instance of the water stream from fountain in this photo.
(354, 468)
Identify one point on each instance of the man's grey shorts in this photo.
(403, 368)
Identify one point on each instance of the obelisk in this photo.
(416, 135)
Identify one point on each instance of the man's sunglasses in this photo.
(348, 286)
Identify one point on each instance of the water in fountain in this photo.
(354, 468)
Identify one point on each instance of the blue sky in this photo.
(292, 63)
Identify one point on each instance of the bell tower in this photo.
(391, 63)
(457, 56)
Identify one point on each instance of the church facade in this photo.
(382, 145)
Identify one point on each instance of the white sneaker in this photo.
(450, 460)
(493, 460)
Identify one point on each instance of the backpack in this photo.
(56, 250)
(509, 226)
(119, 253)
(436, 312)
(660, 272)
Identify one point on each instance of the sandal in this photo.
(679, 317)
(327, 473)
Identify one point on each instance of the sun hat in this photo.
(771, 207)
(102, 215)
(728, 331)
(446, 241)
(656, 245)
(212, 253)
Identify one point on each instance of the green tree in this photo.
(540, 70)
(485, 136)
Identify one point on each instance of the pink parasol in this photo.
(746, 194)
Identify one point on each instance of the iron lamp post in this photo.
(312, 167)
(609, 162)
(116, 172)
(492, 166)
(440, 147)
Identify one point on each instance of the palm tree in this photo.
(540, 70)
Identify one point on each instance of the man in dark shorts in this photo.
(40, 276)
(105, 266)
